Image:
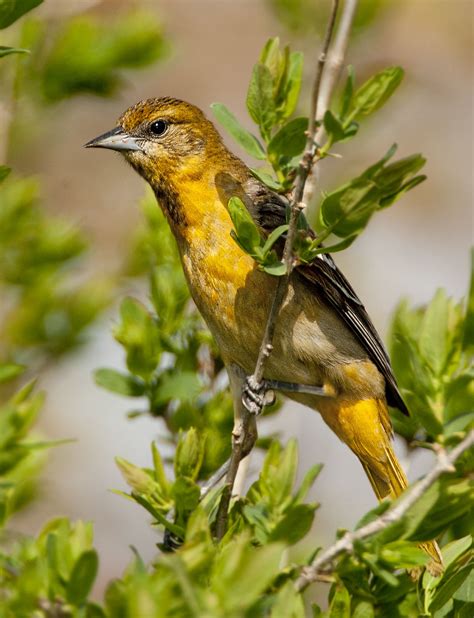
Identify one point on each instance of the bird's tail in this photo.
(394, 485)
(364, 425)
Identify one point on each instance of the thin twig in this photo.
(445, 463)
(332, 73)
(336, 56)
(304, 169)
(215, 479)
(305, 166)
(239, 443)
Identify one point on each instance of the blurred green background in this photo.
(203, 51)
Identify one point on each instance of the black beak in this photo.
(117, 139)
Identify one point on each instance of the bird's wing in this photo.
(337, 291)
(269, 211)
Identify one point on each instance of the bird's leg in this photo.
(307, 389)
(256, 396)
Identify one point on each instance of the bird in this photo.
(323, 335)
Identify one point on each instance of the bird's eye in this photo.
(158, 127)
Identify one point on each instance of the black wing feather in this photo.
(338, 292)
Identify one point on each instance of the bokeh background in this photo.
(209, 48)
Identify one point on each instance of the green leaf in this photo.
(452, 551)
(277, 269)
(273, 237)
(4, 171)
(246, 231)
(6, 51)
(242, 572)
(94, 611)
(292, 85)
(407, 186)
(260, 102)
(271, 56)
(135, 477)
(468, 336)
(333, 126)
(341, 603)
(11, 10)
(82, 577)
(123, 384)
(347, 92)
(465, 592)
(189, 454)
(267, 179)
(10, 371)
(307, 482)
(287, 468)
(186, 494)
(288, 603)
(347, 210)
(402, 554)
(434, 337)
(376, 91)
(295, 524)
(315, 248)
(180, 385)
(363, 609)
(243, 137)
(159, 469)
(449, 585)
(290, 140)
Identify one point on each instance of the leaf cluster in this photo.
(343, 213)
(81, 55)
(431, 350)
(50, 575)
(272, 97)
(86, 55)
(20, 455)
(229, 578)
(42, 310)
(248, 237)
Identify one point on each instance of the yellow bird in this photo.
(323, 337)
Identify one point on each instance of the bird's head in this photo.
(158, 137)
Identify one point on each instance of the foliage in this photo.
(42, 310)
(174, 371)
(342, 214)
(86, 57)
(432, 348)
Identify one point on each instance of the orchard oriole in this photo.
(324, 336)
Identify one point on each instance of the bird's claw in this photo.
(255, 396)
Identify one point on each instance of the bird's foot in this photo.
(255, 396)
(171, 542)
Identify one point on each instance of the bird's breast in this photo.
(227, 287)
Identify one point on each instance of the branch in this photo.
(445, 463)
(332, 72)
(336, 57)
(296, 205)
(243, 440)
(304, 169)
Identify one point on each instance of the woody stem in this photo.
(305, 166)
